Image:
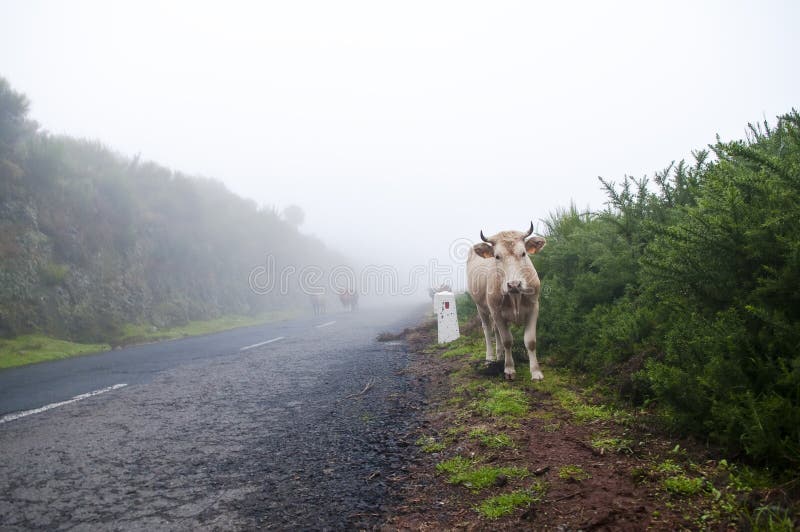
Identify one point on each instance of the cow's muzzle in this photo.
(514, 287)
(518, 289)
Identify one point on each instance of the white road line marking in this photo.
(259, 344)
(325, 324)
(17, 415)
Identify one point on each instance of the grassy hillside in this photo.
(92, 242)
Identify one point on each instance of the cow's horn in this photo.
(529, 233)
(484, 238)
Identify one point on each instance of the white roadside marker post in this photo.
(444, 306)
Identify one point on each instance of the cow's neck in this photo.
(515, 305)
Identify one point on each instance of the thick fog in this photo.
(403, 128)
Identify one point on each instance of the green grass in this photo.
(474, 477)
(33, 348)
(683, 485)
(482, 477)
(144, 333)
(580, 410)
(492, 441)
(506, 503)
(455, 431)
(428, 444)
(470, 387)
(502, 401)
(770, 518)
(554, 426)
(573, 473)
(668, 467)
(544, 415)
(585, 413)
(605, 443)
(557, 384)
(465, 346)
(454, 465)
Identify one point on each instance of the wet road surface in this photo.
(256, 428)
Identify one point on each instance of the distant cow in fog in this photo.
(318, 303)
(349, 299)
(442, 288)
(505, 287)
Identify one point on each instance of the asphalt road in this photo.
(219, 432)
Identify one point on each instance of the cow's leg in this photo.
(507, 341)
(497, 343)
(488, 325)
(530, 344)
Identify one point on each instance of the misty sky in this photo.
(402, 126)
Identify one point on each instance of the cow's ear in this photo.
(484, 250)
(534, 244)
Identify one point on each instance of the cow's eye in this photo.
(522, 254)
(497, 257)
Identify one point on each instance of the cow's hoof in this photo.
(537, 376)
(509, 376)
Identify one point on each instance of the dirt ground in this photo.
(587, 472)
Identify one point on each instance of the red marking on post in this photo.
(446, 304)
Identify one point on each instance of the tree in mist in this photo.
(294, 215)
(14, 123)
(14, 127)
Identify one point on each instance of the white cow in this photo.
(505, 287)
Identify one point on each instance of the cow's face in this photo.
(509, 252)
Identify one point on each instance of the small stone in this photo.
(541, 471)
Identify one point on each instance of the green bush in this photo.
(466, 308)
(169, 314)
(686, 293)
(53, 274)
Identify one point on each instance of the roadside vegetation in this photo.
(683, 295)
(98, 249)
(33, 348)
(565, 452)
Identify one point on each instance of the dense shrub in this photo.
(688, 293)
